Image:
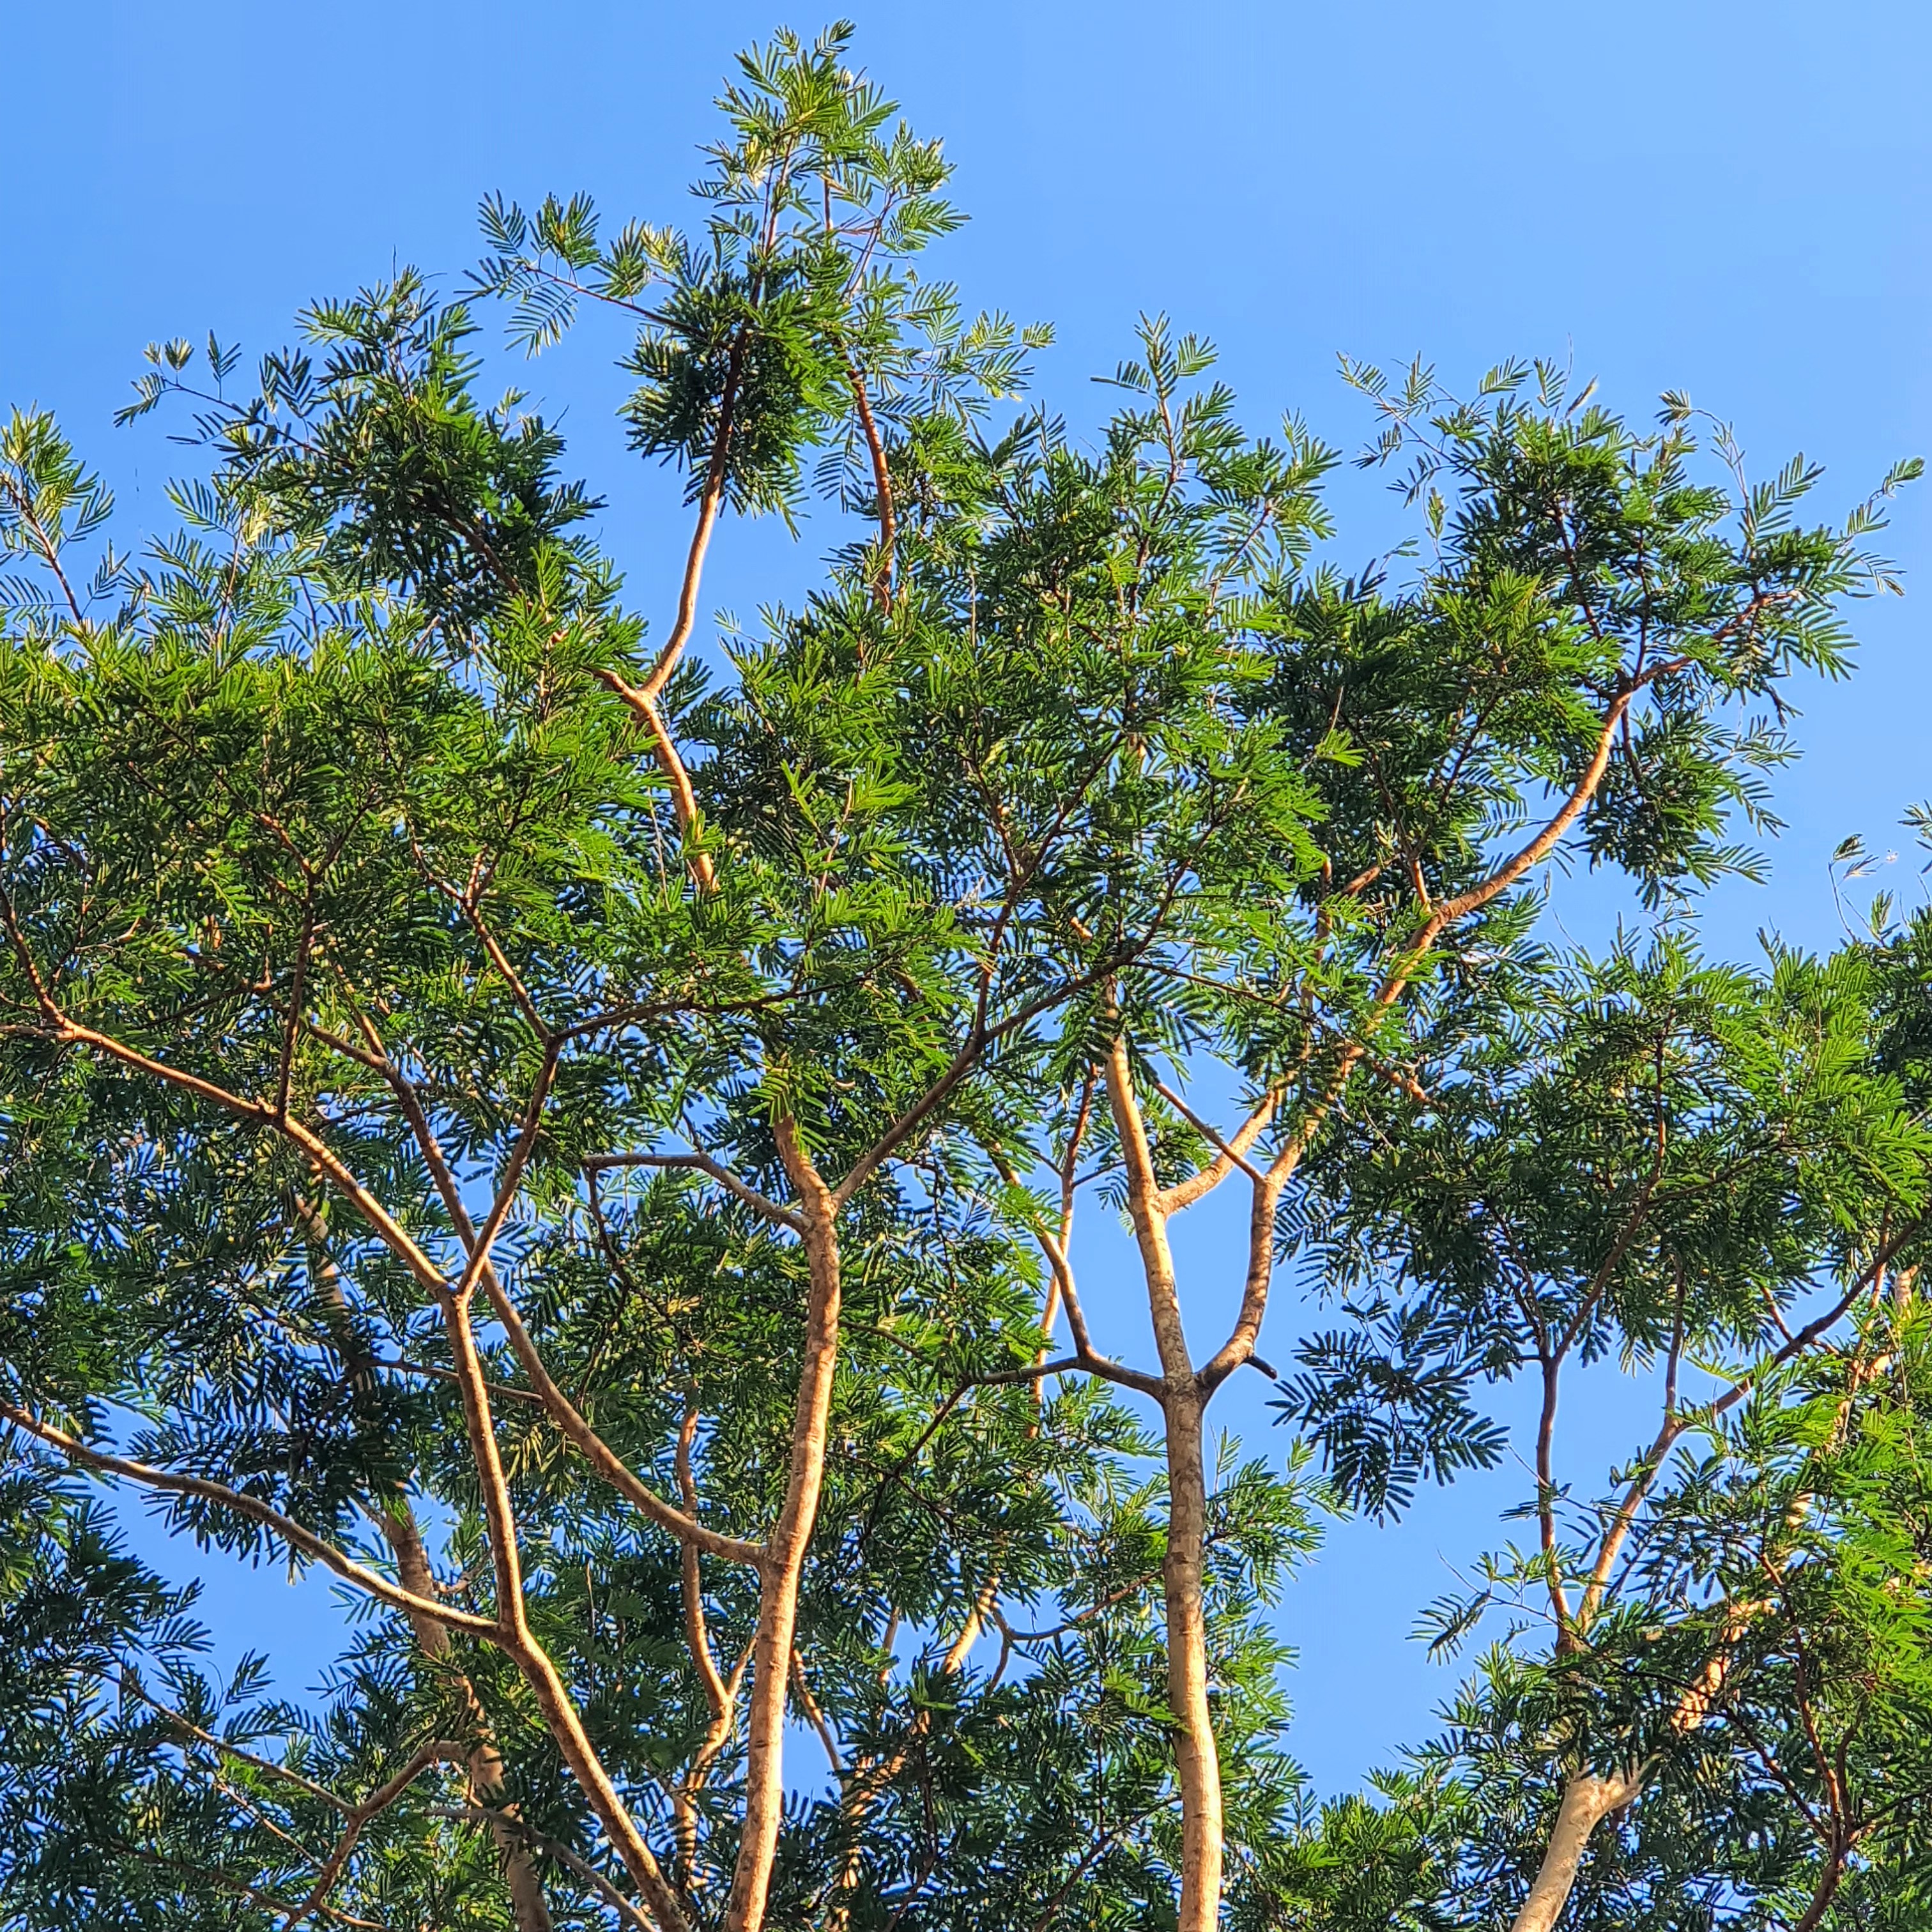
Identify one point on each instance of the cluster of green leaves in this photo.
(1717, 1179)
(1792, 1543)
(801, 283)
(1663, 1161)
(134, 1787)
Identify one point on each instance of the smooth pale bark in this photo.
(642, 699)
(484, 1763)
(1185, 1393)
(1197, 1763)
(1588, 1800)
(782, 1562)
(791, 1539)
(513, 1635)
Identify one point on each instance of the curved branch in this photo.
(1587, 1801)
(319, 1155)
(1239, 1345)
(291, 1532)
(684, 800)
(709, 502)
(1546, 840)
(571, 1422)
(1085, 1355)
(882, 483)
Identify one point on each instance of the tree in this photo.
(582, 1140)
(1718, 1174)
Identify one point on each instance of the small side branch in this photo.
(684, 799)
(359, 1817)
(291, 1532)
(1678, 1421)
(563, 1412)
(501, 1820)
(1234, 1153)
(715, 1170)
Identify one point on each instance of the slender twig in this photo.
(1233, 1153)
(816, 1716)
(493, 1815)
(1676, 1424)
(704, 1164)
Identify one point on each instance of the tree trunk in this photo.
(1196, 1762)
(791, 1541)
(1588, 1800)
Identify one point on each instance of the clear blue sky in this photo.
(1726, 197)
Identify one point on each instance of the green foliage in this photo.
(392, 929)
(1720, 1178)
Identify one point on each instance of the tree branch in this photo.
(703, 1163)
(360, 1815)
(1234, 1153)
(503, 1820)
(1675, 1424)
(291, 1532)
(563, 1412)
